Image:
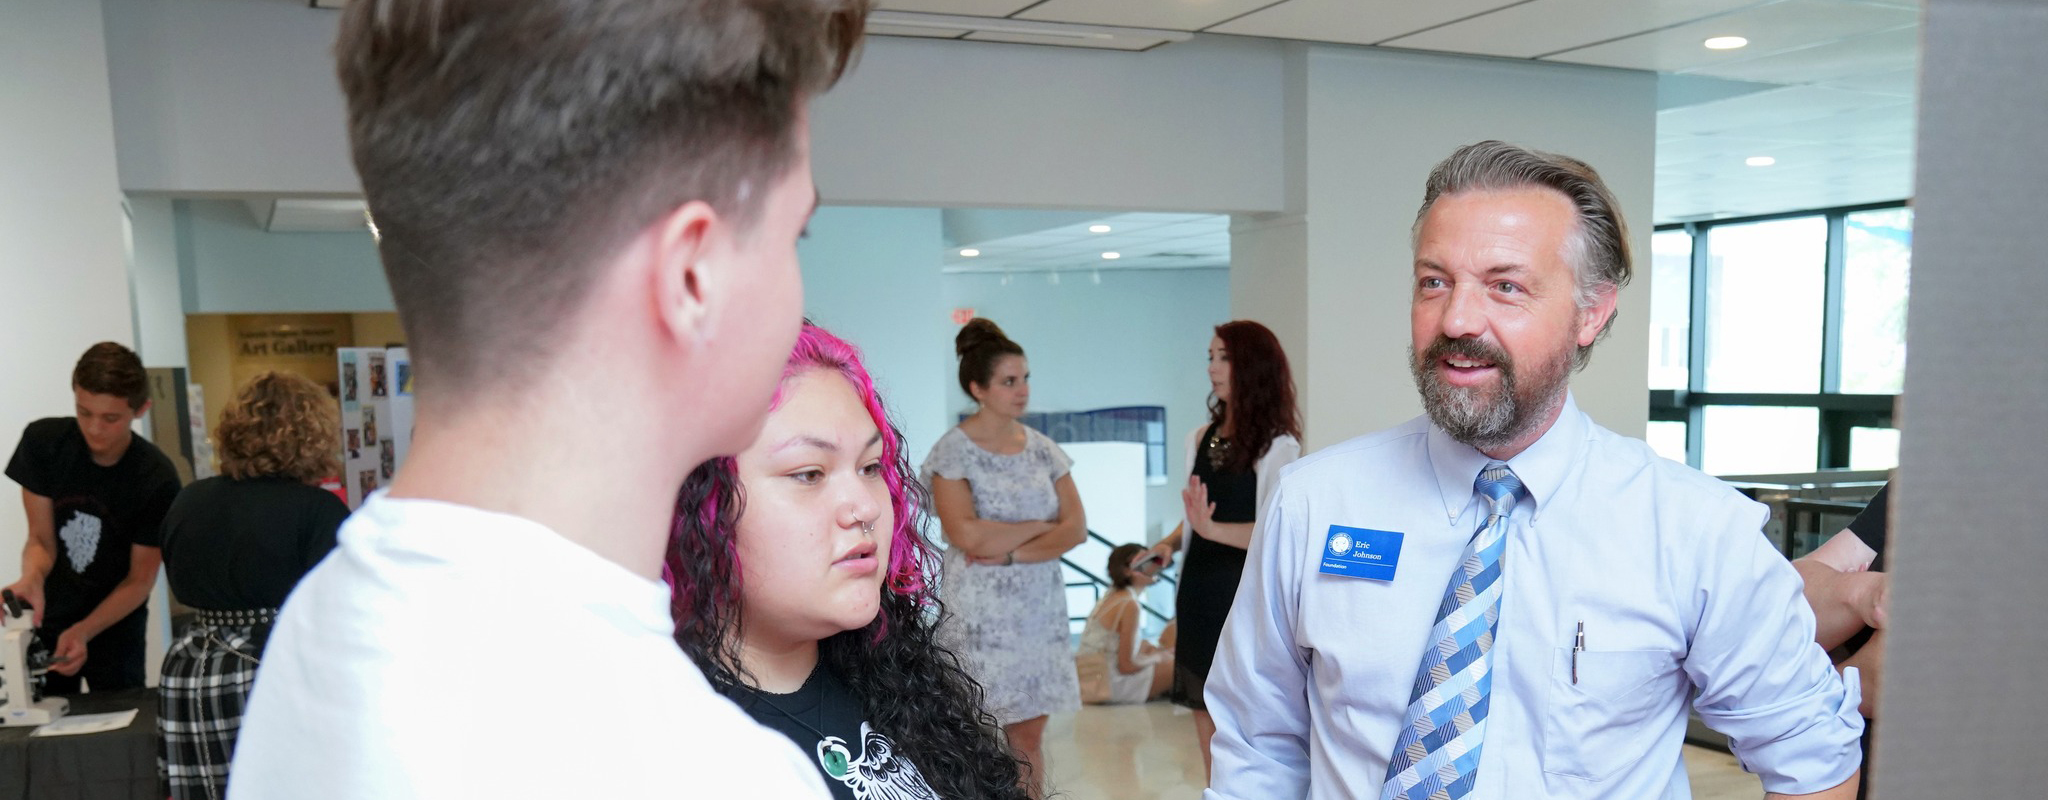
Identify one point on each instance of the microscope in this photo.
(21, 669)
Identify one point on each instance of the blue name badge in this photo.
(1361, 553)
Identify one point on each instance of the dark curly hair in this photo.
(1261, 386)
(907, 683)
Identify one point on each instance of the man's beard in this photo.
(1488, 417)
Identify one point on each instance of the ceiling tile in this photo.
(973, 8)
(1850, 124)
(1902, 83)
(1179, 15)
(1773, 28)
(1887, 51)
(1116, 43)
(1548, 26)
(1353, 21)
(875, 29)
(1790, 104)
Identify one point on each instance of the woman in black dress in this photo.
(1253, 431)
(234, 546)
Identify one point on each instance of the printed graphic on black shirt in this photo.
(97, 513)
(821, 717)
(878, 774)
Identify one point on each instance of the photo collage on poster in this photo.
(376, 420)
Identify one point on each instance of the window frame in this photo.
(1839, 412)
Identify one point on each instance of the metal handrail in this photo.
(1097, 583)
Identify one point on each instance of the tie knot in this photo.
(1499, 486)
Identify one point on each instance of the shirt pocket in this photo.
(1599, 724)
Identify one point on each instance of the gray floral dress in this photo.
(1009, 623)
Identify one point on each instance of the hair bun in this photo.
(976, 333)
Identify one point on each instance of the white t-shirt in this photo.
(446, 652)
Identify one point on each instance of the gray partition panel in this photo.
(1965, 705)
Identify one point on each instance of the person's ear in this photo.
(1594, 318)
(144, 410)
(682, 249)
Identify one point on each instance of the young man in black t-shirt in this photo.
(96, 497)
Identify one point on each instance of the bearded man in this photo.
(1501, 599)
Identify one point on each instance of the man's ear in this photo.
(144, 410)
(681, 245)
(1594, 318)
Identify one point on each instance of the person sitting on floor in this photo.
(1116, 665)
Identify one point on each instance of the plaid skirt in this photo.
(207, 677)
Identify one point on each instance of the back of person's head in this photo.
(111, 369)
(1261, 392)
(280, 426)
(508, 149)
(1598, 247)
(1119, 566)
(980, 344)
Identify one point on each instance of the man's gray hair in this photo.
(1597, 250)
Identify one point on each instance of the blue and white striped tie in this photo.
(1437, 755)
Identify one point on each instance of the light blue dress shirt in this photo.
(1685, 604)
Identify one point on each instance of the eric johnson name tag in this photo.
(1361, 553)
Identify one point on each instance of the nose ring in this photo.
(866, 526)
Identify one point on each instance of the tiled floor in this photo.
(1148, 751)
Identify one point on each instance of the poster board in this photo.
(369, 452)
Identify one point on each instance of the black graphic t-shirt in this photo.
(97, 512)
(827, 723)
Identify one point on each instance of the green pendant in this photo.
(835, 759)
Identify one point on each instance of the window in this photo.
(1873, 448)
(1765, 287)
(1749, 440)
(1876, 258)
(1670, 312)
(1777, 344)
(1668, 439)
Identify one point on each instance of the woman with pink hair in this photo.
(801, 588)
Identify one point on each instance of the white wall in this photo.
(1376, 122)
(63, 272)
(231, 266)
(871, 275)
(1140, 337)
(239, 96)
(233, 96)
(155, 282)
(1193, 126)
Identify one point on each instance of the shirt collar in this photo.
(1541, 467)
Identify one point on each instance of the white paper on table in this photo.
(87, 723)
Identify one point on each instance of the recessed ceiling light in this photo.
(1726, 43)
(1759, 161)
(1111, 256)
(1098, 229)
(969, 253)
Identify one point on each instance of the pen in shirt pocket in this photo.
(1578, 646)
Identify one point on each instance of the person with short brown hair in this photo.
(588, 212)
(95, 496)
(234, 546)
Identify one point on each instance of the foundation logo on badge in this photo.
(81, 538)
(1362, 553)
